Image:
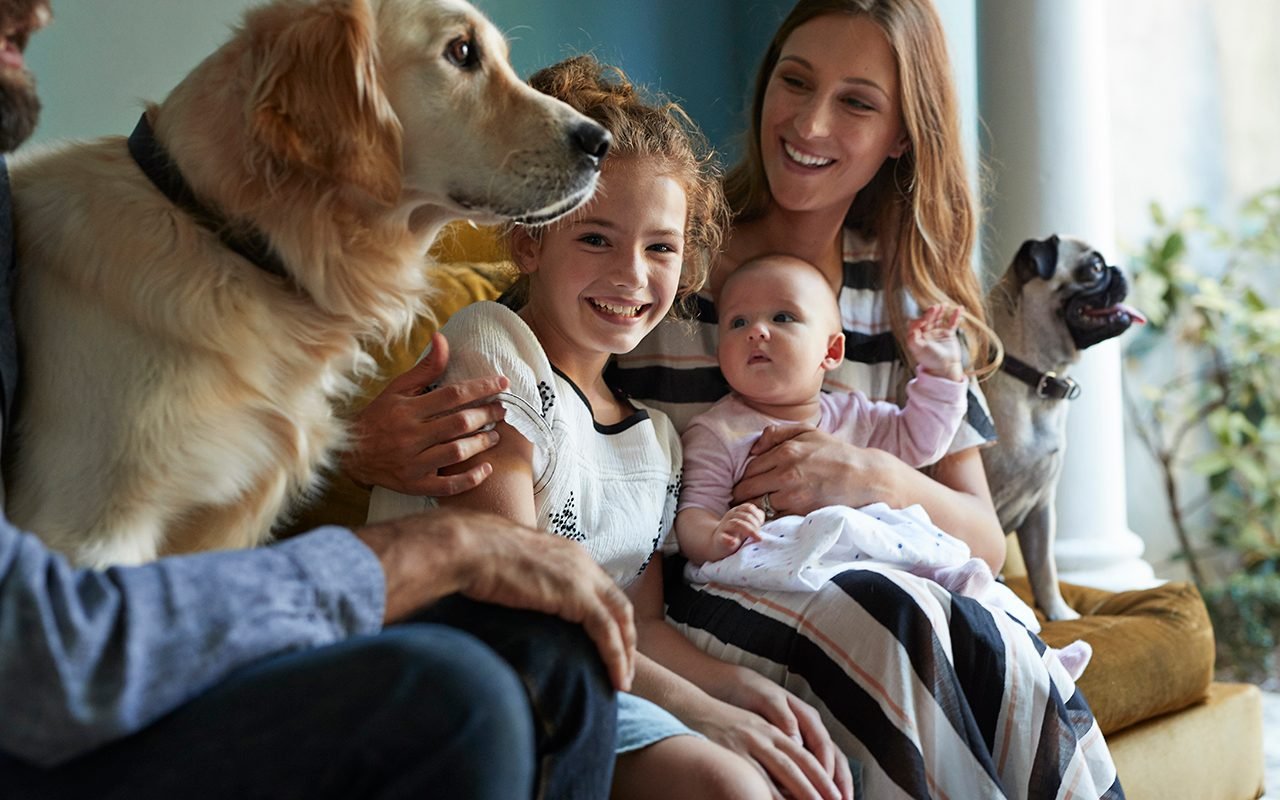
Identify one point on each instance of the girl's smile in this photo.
(602, 279)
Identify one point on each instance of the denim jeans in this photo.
(420, 710)
(575, 712)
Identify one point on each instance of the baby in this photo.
(779, 335)
(780, 332)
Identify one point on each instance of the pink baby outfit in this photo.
(800, 554)
(717, 442)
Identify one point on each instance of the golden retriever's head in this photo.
(414, 103)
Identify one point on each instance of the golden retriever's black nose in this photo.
(592, 139)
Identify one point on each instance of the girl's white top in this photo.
(611, 488)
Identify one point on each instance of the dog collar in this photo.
(1047, 385)
(155, 163)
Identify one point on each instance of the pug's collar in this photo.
(1048, 385)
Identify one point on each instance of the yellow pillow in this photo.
(1136, 635)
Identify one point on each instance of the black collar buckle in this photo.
(1052, 387)
(1046, 385)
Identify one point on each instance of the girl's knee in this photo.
(687, 767)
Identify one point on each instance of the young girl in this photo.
(854, 164)
(580, 460)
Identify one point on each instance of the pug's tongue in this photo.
(1118, 308)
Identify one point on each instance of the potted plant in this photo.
(1204, 398)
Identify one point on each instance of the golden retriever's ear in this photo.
(316, 99)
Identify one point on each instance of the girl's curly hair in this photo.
(649, 125)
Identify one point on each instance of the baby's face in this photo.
(779, 329)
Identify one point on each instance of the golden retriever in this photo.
(175, 396)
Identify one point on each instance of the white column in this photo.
(1043, 100)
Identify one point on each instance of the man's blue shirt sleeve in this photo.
(87, 656)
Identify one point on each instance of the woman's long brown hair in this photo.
(919, 208)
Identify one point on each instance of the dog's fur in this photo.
(1056, 298)
(175, 397)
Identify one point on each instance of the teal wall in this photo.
(100, 61)
(703, 53)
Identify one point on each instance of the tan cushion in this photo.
(1152, 648)
(1209, 751)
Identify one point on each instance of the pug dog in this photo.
(1057, 298)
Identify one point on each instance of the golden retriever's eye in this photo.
(462, 53)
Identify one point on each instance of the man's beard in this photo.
(19, 111)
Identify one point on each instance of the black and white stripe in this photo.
(933, 694)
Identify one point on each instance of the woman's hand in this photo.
(803, 469)
(409, 433)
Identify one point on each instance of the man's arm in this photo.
(494, 560)
(87, 656)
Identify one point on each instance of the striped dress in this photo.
(933, 694)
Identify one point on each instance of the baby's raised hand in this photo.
(737, 527)
(933, 343)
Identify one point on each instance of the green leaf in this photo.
(1212, 463)
(1157, 214)
(1173, 247)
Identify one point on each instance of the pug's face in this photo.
(1070, 279)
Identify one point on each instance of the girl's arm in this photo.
(509, 490)
(804, 469)
(509, 493)
(732, 705)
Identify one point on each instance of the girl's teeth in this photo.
(807, 160)
(622, 311)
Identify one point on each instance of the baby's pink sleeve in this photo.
(707, 480)
(920, 432)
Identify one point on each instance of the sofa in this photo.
(1173, 730)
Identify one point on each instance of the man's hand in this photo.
(407, 434)
(493, 560)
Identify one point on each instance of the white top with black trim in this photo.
(675, 369)
(612, 488)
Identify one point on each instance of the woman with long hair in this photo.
(853, 162)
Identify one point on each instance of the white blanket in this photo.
(799, 554)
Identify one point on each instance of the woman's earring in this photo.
(897, 180)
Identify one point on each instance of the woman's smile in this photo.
(804, 158)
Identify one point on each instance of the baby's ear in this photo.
(835, 352)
